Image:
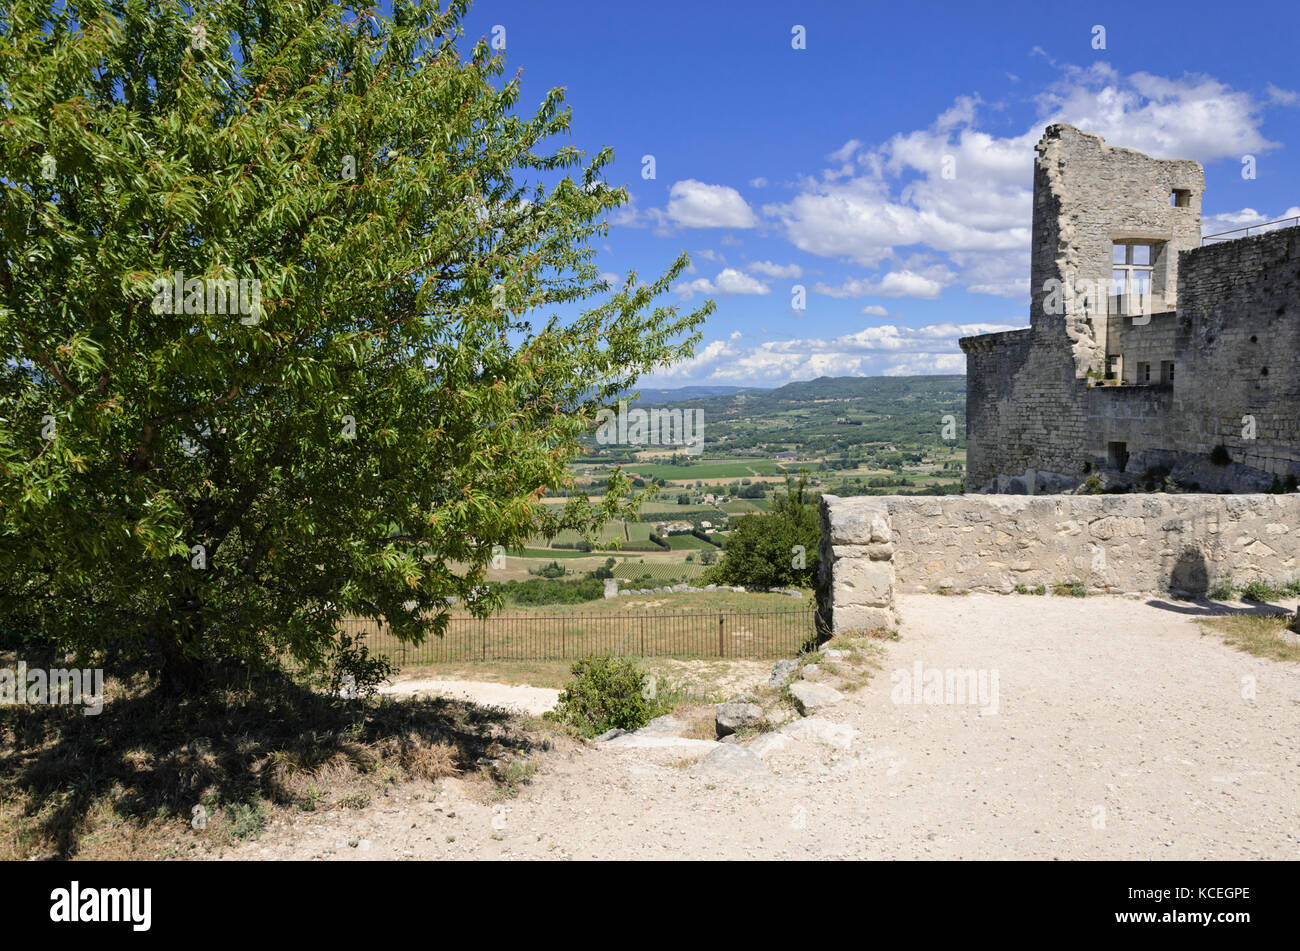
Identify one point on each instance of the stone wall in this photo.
(1150, 339)
(1150, 544)
(1238, 352)
(1024, 406)
(1232, 340)
(1089, 195)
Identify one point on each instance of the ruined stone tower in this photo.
(1143, 352)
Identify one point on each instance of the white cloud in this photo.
(908, 284)
(1245, 218)
(885, 350)
(1194, 117)
(1282, 97)
(775, 270)
(875, 310)
(693, 204)
(966, 194)
(903, 283)
(759, 182)
(728, 281)
(927, 363)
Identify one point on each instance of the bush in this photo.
(355, 672)
(539, 591)
(1223, 590)
(1219, 455)
(775, 549)
(607, 693)
(552, 570)
(247, 819)
(1072, 589)
(1261, 591)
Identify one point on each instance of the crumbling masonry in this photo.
(1146, 351)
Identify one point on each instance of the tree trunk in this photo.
(181, 669)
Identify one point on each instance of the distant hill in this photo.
(682, 393)
(858, 434)
(829, 415)
(873, 389)
(870, 388)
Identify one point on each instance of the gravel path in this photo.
(520, 697)
(1120, 731)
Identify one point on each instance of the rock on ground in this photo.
(728, 761)
(782, 671)
(809, 696)
(731, 717)
(666, 725)
(769, 743)
(818, 730)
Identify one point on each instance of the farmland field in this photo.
(659, 571)
(720, 469)
(688, 543)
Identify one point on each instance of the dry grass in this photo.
(1261, 635)
(160, 777)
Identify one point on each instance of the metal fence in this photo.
(1252, 229)
(729, 634)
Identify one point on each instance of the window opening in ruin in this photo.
(1117, 452)
(1167, 371)
(1131, 267)
(1144, 373)
(1180, 198)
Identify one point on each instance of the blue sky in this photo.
(824, 167)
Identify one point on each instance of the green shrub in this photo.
(775, 549)
(545, 591)
(607, 693)
(355, 672)
(1260, 591)
(247, 819)
(1223, 590)
(553, 570)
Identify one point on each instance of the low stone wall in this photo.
(1112, 544)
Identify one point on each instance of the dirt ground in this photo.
(1119, 729)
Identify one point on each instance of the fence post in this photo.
(721, 652)
(642, 625)
(483, 627)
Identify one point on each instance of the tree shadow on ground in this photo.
(151, 756)
(1204, 607)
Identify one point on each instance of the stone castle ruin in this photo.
(1151, 353)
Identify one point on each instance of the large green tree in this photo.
(185, 478)
(775, 548)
